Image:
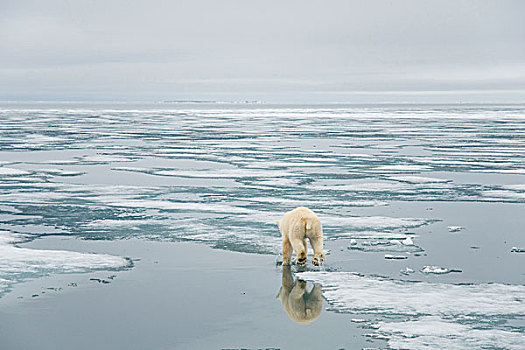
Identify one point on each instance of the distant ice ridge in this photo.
(18, 264)
(458, 316)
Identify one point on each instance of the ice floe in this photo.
(517, 250)
(408, 241)
(433, 315)
(18, 264)
(395, 257)
(352, 292)
(12, 172)
(437, 270)
(433, 332)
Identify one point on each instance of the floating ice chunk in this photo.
(518, 187)
(59, 162)
(502, 194)
(358, 320)
(517, 250)
(382, 186)
(407, 271)
(21, 263)
(60, 172)
(384, 244)
(226, 173)
(36, 138)
(395, 257)
(454, 228)
(353, 241)
(408, 241)
(351, 292)
(501, 171)
(437, 270)
(12, 172)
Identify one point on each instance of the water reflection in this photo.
(301, 306)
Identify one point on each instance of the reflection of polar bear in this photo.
(296, 226)
(301, 306)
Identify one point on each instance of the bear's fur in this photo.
(296, 226)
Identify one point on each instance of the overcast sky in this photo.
(280, 51)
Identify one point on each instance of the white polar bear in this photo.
(296, 226)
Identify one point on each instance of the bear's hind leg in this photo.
(287, 251)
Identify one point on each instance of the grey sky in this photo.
(295, 51)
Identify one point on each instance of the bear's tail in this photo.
(308, 224)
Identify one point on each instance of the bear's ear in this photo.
(278, 223)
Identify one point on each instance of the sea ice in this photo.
(407, 271)
(17, 264)
(432, 332)
(408, 241)
(12, 172)
(395, 257)
(437, 270)
(433, 313)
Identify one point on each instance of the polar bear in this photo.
(296, 226)
(301, 306)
